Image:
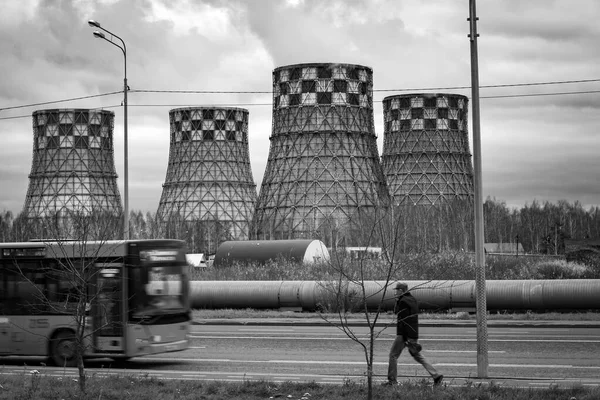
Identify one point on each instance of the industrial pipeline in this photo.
(535, 295)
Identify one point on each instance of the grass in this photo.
(37, 386)
(199, 315)
(447, 265)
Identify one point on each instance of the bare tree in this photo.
(351, 292)
(363, 285)
(72, 283)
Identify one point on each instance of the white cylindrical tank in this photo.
(261, 251)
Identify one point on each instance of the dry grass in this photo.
(199, 315)
(37, 386)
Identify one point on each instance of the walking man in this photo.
(407, 335)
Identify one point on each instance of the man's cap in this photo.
(401, 285)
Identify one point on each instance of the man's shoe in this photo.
(437, 381)
(389, 383)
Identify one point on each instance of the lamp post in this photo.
(100, 35)
(482, 336)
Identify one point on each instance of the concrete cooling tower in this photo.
(426, 157)
(73, 166)
(209, 176)
(323, 168)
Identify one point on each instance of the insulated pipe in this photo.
(432, 295)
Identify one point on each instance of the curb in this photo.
(424, 323)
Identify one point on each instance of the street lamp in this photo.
(100, 35)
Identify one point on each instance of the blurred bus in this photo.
(130, 298)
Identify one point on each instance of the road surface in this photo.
(524, 355)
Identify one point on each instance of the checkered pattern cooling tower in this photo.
(323, 167)
(426, 158)
(209, 176)
(73, 166)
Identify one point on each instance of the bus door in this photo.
(9, 306)
(107, 308)
(5, 334)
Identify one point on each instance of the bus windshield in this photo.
(162, 287)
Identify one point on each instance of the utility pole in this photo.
(481, 300)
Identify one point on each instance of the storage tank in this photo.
(426, 157)
(323, 169)
(261, 251)
(73, 168)
(209, 177)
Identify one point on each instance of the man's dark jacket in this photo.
(407, 309)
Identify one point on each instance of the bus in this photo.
(128, 298)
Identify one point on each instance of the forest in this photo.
(540, 227)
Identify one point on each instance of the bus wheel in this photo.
(63, 349)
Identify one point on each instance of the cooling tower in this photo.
(426, 157)
(209, 176)
(323, 169)
(73, 166)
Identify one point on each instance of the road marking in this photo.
(349, 362)
(274, 337)
(550, 366)
(462, 351)
(490, 339)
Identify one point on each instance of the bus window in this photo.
(8, 295)
(163, 278)
(63, 292)
(22, 292)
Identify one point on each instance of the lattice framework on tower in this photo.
(323, 167)
(73, 165)
(209, 177)
(426, 157)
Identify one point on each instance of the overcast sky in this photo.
(544, 148)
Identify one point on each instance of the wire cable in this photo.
(538, 94)
(199, 91)
(60, 101)
(491, 86)
(269, 92)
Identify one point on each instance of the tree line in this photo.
(540, 227)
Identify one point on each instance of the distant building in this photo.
(323, 171)
(357, 253)
(209, 178)
(196, 260)
(504, 248)
(73, 167)
(426, 157)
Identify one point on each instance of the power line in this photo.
(539, 94)
(202, 105)
(375, 90)
(490, 86)
(59, 101)
(270, 104)
(270, 92)
(91, 109)
(375, 101)
(200, 91)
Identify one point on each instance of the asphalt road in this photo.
(519, 354)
